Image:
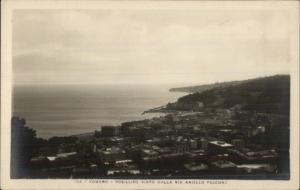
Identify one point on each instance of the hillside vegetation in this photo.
(267, 94)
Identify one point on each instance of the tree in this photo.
(24, 145)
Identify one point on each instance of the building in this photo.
(256, 168)
(196, 155)
(218, 147)
(111, 155)
(123, 167)
(182, 146)
(196, 167)
(238, 143)
(223, 167)
(193, 144)
(265, 156)
(203, 143)
(110, 131)
(149, 153)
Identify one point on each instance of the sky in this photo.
(155, 46)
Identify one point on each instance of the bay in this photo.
(64, 110)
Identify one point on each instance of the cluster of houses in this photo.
(176, 145)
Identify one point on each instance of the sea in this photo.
(64, 110)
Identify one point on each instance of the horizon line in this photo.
(131, 84)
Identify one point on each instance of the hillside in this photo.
(267, 94)
(201, 88)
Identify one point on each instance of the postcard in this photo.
(149, 95)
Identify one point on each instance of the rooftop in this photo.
(223, 164)
(221, 144)
(66, 154)
(196, 166)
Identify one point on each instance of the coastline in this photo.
(80, 109)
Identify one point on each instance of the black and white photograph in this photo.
(184, 92)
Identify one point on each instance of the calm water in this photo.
(67, 110)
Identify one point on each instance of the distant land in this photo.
(264, 94)
(204, 87)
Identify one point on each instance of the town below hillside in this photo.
(239, 131)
